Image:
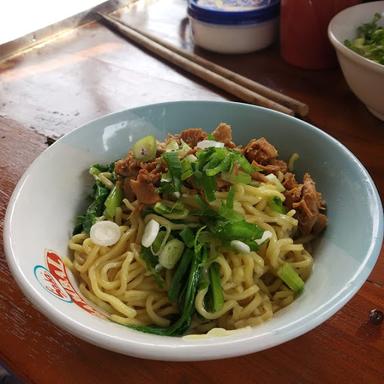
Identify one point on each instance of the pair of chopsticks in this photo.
(243, 88)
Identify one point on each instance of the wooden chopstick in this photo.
(173, 56)
(297, 106)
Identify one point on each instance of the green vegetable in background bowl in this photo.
(369, 41)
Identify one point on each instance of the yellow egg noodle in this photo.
(116, 280)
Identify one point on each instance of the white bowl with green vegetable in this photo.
(209, 239)
(357, 33)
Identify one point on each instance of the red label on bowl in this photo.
(58, 270)
(49, 283)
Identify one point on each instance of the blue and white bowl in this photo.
(41, 213)
(234, 26)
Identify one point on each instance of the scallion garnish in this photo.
(215, 288)
(171, 210)
(187, 170)
(174, 168)
(113, 201)
(209, 187)
(290, 277)
(277, 205)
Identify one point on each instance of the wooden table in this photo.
(55, 88)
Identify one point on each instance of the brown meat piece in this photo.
(139, 178)
(260, 151)
(320, 224)
(257, 176)
(308, 207)
(274, 166)
(144, 187)
(293, 190)
(223, 133)
(192, 136)
(130, 167)
(222, 185)
(289, 181)
(127, 167)
(293, 196)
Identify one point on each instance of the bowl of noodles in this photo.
(193, 230)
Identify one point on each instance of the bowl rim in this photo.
(355, 57)
(242, 343)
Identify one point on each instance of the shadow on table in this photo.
(7, 378)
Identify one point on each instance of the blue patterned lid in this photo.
(233, 12)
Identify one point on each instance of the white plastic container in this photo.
(234, 26)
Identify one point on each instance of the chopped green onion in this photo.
(191, 158)
(220, 165)
(240, 246)
(171, 146)
(244, 163)
(290, 277)
(239, 230)
(188, 237)
(209, 187)
(172, 211)
(180, 275)
(105, 233)
(174, 168)
(145, 148)
(204, 144)
(112, 202)
(171, 253)
(94, 171)
(230, 198)
(187, 170)
(274, 180)
(150, 233)
(216, 290)
(151, 262)
(184, 149)
(158, 244)
(276, 204)
(240, 178)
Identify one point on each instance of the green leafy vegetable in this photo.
(95, 169)
(151, 262)
(369, 41)
(99, 194)
(290, 277)
(187, 305)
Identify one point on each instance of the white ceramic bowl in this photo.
(365, 77)
(41, 213)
